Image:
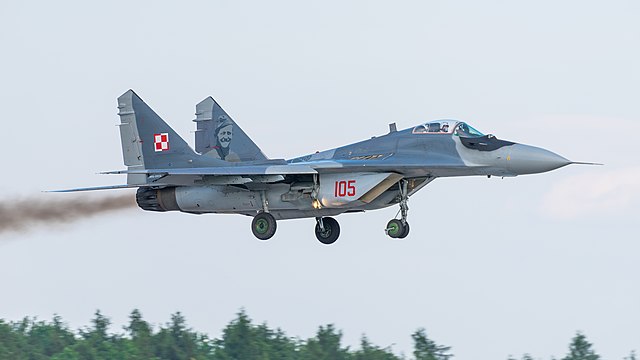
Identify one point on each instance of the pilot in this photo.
(462, 130)
(224, 135)
(444, 128)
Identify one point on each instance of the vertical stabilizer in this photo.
(147, 141)
(218, 136)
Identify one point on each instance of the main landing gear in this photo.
(327, 230)
(264, 227)
(264, 224)
(399, 229)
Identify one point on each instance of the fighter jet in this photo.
(228, 173)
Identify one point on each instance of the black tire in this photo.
(331, 231)
(405, 231)
(395, 228)
(263, 226)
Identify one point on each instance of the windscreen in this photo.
(464, 130)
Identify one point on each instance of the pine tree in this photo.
(581, 349)
(325, 345)
(427, 349)
(13, 342)
(48, 338)
(284, 347)
(239, 340)
(177, 342)
(141, 335)
(368, 351)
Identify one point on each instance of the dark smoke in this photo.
(52, 209)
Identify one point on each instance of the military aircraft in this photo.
(228, 173)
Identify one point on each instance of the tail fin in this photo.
(147, 141)
(218, 136)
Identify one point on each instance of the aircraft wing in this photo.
(268, 173)
(305, 168)
(226, 170)
(222, 175)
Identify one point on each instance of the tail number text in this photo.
(344, 188)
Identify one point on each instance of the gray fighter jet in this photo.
(228, 173)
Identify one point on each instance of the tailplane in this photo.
(218, 136)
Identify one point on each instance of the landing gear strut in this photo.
(399, 229)
(327, 230)
(264, 224)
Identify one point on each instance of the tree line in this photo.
(241, 339)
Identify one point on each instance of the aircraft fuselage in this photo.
(228, 173)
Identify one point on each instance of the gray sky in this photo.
(492, 267)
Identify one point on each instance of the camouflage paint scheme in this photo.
(228, 173)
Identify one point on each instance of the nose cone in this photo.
(525, 159)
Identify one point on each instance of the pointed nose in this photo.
(525, 159)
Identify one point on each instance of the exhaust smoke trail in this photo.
(23, 214)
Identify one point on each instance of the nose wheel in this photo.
(399, 228)
(396, 229)
(327, 230)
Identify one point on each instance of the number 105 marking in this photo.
(344, 188)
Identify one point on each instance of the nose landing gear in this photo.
(396, 229)
(399, 229)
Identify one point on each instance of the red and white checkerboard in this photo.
(161, 142)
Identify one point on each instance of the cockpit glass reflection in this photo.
(435, 127)
(464, 130)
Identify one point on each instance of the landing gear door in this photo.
(340, 190)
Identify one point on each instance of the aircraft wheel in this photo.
(331, 231)
(263, 226)
(395, 228)
(405, 231)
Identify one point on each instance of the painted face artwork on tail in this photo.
(224, 136)
(227, 173)
(218, 136)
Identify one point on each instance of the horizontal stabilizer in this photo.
(109, 187)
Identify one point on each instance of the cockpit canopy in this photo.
(457, 128)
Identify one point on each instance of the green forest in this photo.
(241, 339)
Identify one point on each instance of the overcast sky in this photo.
(492, 266)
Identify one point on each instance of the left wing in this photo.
(226, 170)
